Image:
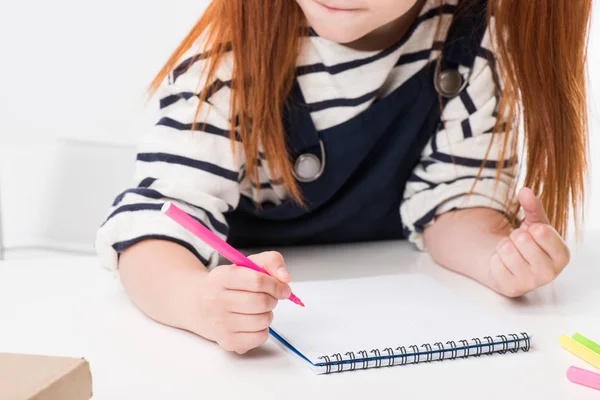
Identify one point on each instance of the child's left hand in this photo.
(532, 256)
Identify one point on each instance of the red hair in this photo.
(541, 51)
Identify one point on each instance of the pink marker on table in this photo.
(584, 377)
(222, 247)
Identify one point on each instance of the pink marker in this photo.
(222, 247)
(583, 377)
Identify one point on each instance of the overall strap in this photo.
(461, 48)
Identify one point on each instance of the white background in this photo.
(78, 70)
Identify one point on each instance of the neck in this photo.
(388, 34)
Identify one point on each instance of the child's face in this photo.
(345, 21)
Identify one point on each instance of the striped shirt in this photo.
(198, 171)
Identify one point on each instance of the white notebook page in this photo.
(378, 312)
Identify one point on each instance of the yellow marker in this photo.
(580, 351)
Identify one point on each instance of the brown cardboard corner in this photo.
(31, 377)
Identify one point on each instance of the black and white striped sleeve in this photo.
(449, 165)
(196, 170)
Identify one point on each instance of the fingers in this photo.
(242, 332)
(247, 302)
(248, 322)
(503, 278)
(515, 263)
(273, 262)
(505, 281)
(241, 301)
(536, 221)
(521, 263)
(245, 279)
(538, 261)
(531, 204)
(242, 342)
(551, 242)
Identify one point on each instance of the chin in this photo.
(335, 34)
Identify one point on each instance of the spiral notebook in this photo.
(387, 321)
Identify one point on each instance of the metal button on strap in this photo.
(449, 83)
(308, 167)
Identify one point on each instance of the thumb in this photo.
(274, 264)
(531, 204)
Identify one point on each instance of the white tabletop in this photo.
(71, 307)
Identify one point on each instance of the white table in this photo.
(71, 307)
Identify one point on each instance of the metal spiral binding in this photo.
(441, 350)
(391, 356)
(467, 349)
(338, 360)
(527, 340)
(352, 357)
(400, 356)
(428, 351)
(416, 353)
(490, 342)
(504, 344)
(478, 347)
(327, 363)
(452, 345)
(403, 357)
(365, 361)
(516, 339)
(377, 355)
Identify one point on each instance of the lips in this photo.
(335, 8)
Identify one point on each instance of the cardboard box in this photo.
(44, 378)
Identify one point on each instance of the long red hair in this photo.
(541, 51)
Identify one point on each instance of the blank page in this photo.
(376, 313)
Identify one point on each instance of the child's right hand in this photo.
(237, 303)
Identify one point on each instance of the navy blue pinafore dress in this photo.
(365, 161)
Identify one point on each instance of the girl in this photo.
(323, 121)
